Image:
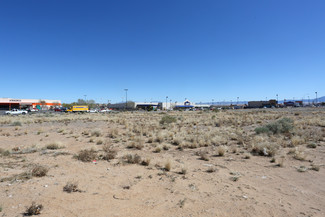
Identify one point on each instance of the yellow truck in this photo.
(78, 108)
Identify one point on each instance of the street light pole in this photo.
(277, 98)
(126, 98)
(166, 102)
(316, 96)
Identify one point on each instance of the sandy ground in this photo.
(238, 186)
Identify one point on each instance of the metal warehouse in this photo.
(44, 104)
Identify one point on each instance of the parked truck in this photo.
(78, 108)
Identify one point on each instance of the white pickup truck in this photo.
(16, 112)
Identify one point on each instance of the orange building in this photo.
(44, 104)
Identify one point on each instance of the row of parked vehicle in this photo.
(80, 108)
(59, 109)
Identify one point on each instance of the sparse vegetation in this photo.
(39, 171)
(285, 125)
(96, 133)
(87, 155)
(16, 123)
(167, 119)
(71, 187)
(34, 209)
(134, 150)
(168, 166)
(54, 146)
(132, 159)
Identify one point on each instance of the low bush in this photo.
(96, 133)
(53, 146)
(132, 159)
(16, 123)
(87, 155)
(110, 153)
(39, 171)
(285, 125)
(33, 209)
(167, 119)
(168, 166)
(71, 187)
(265, 149)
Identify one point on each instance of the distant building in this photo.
(262, 104)
(10, 103)
(189, 105)
(158, 105)
(136, 105)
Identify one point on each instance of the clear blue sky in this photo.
(200, 50)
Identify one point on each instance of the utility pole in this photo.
(166, 102)
(277, 98)
(316, 97)
(126, 98)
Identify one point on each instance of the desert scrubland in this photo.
(264, 162)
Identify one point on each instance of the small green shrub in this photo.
(16, 123)
(167, 119)
(311, 145)
(285, 125)
(260, 130)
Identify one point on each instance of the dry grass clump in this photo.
(99, 142)
(315, 167)
(311, 145)
(177, 141)
(71, 187)
(138, 144)
(159, 138)
(22, 176)
(87, 155)
(299, 154)
(168, 166)
(113, 133)
(167, 119)
(96, 133)
(4, 152)
(39, 171)
(221, 151)
(85, 133)
(211, 170)
(264, 149)
(34, 209)
(203, 155)
(157, 150)
(296, 140)
(54, 146)
(16, 123)
(132, 159)
(183, 171)
(110, 152)
(146, 162)
(302, 169)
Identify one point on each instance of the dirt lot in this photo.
(226, 163)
